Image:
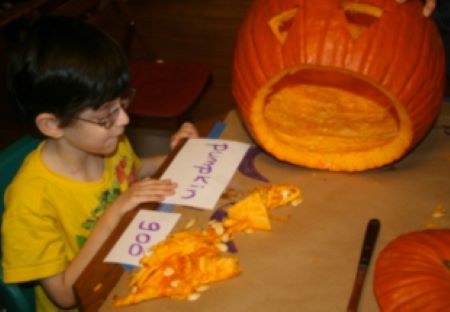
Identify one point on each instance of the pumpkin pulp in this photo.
(320, 114)
(327, 119)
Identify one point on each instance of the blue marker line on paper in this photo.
(217, 130)
(166, 207)
(128, 267)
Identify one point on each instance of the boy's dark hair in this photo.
(62, 66)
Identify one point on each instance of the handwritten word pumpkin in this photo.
(412, 273)
(336, 84)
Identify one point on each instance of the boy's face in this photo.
(98, 131)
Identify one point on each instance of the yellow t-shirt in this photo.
(48, 216)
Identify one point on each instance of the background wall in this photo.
(182, 30)
(198, 31)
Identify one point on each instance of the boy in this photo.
(71, 80)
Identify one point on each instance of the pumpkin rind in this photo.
(349, 45)
(411, 273)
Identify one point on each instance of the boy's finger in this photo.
(429, 8)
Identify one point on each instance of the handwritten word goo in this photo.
(205, 170)
(146, 229)
(136, 249)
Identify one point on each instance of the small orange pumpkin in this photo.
(337, 84)
(412, 273)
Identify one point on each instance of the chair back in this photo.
(15, 297)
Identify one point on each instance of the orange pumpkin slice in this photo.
(179, 267)
(276, 195)
(249, 213)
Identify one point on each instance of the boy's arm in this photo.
(186, 131)
(60, 287)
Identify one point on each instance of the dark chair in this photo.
(15, 297)
(166, 91)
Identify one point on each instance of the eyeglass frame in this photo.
(110, 119)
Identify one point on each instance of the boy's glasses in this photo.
(110, 119)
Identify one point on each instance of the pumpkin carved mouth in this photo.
(328, 119)
(325, 113)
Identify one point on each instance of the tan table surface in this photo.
(309, 262)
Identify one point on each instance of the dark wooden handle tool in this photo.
(370, 238)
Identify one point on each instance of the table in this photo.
(308, 263)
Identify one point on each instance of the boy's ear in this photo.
(48, 124)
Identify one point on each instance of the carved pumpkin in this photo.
(412, 272)
(338, 85)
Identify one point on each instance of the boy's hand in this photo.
(187, 130)
(144, 191)
(428, 8)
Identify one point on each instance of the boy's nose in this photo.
(123, 119)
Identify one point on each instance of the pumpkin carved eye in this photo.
(281, 23)
(360, 16)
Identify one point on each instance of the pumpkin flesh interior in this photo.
(328, 119)
(327, 112)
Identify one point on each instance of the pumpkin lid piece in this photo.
(412, 273)
(249, 213)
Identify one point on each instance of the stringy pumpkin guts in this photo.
(187, 262)
(179, 266)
